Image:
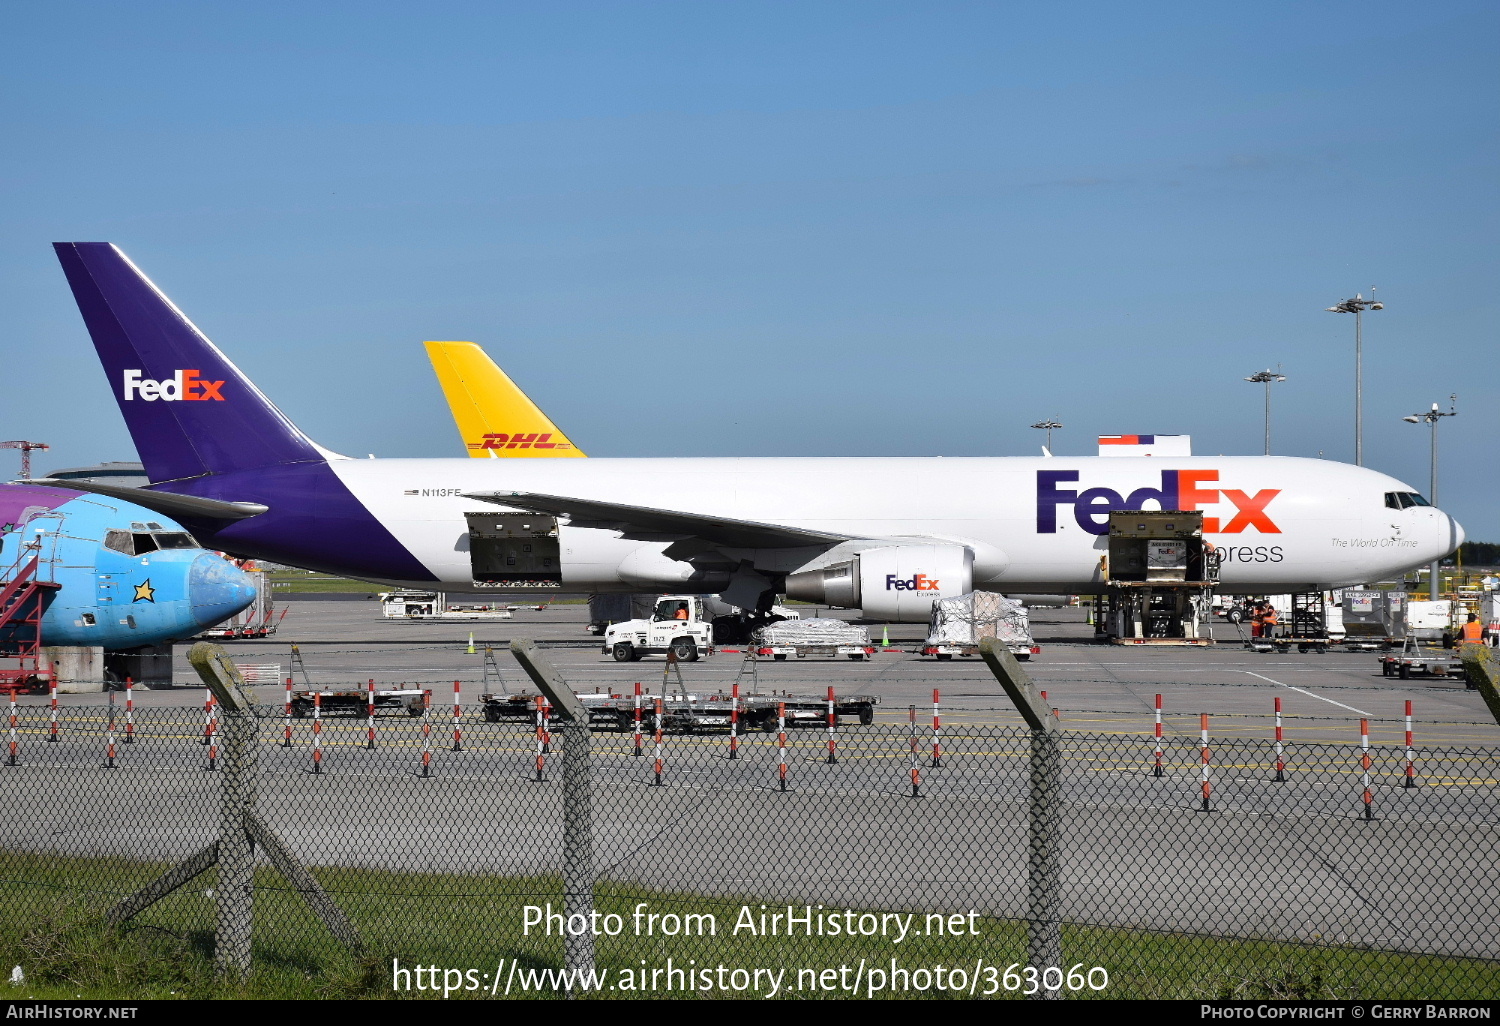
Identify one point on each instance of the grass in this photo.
(293, 582)
(51, 907)
(301, 582)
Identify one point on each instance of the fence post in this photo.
(578, 841)
(1044, 925)
(578, 808)
(234, 895)
(239, 830)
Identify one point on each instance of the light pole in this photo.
(1357, 306)
(1432, 417)
(1047, 426)
(1266, 377)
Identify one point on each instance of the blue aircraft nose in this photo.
(217, 589)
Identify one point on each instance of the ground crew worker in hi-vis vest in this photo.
(1268, 621)
(1472, 633)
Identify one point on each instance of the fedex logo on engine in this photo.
(185, 385)
(1180, 490)
(920, 582)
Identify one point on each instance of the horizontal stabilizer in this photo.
(168, 504)
(660, 524)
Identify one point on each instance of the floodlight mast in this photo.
(1357, 306)
(1432, 417)
(1267, 377)
(1047, 426)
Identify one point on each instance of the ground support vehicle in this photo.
(948, 651)
(692, 713)
(521, 708)
(785, 651)
(433, 607)
(356, 702)
(677, 625)
(1416, 661)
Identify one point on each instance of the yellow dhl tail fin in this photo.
(494, 417)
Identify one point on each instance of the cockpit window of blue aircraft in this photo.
(138, 543)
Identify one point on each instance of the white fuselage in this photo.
(1034, 524)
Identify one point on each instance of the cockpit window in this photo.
(138, 543)
(1404, 500)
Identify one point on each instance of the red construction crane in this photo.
(25, 448)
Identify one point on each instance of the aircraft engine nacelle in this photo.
(891, 582)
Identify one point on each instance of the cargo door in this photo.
(514, 550)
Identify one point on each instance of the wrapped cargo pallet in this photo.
(818, 631)
(964, 621)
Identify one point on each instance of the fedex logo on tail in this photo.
(1180, 489)
(185, 385)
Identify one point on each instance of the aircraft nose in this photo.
(1455, 532)
(217, 589)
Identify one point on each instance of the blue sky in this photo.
(778, 228)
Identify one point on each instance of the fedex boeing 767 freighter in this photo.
(885, 535)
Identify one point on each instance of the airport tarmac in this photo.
(1096, 687)
(1140, 850)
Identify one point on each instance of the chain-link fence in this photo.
(873, 860)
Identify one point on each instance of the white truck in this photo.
(679, 624)
(415, 606)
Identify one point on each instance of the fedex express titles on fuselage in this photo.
(1033, 524)
(233, 468)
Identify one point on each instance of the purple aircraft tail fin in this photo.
(190, 411)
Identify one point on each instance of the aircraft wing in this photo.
(168, 504)
(662, 524)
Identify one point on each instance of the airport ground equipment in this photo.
(1306, 624)
(1160, 576)
(688, 635)
(1374, 619)
(433, 607)
(1433, 619)
(23, 598)
(694, 713)
(257, 620)
(1417, 660)
(958, 626)
(817, 638)
(356, 702)
(605, 609)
